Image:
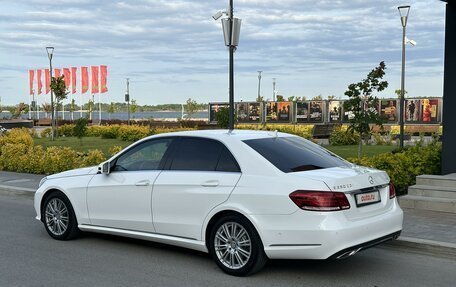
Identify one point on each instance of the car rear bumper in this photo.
(320, 235)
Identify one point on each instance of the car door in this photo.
(122, 198)
(200, 175)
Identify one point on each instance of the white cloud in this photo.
(174, 47)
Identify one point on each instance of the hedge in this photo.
(403, 166)
(19, 154)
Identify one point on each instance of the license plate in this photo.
(367, 198)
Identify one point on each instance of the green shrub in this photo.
(80, 129)
(133, 133)
(66, 130)
(114, 150)
(16, 136)
(340, 135)
(93, 157)
(94, 131)
(110, 132)
(404, 165)
(46, 133)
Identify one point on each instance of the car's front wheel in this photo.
(59, 218)
(236, 246)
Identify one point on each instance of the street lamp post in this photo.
(259, 85)
(50, 51)
(403, 12)
(231, 30)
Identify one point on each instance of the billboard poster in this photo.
(335, 111)
(316, 111)
(242, 112)
(214, 108)
(388, 110)
(284, 111)
(255, 112)
(429, 110)
(271, 111)
(302, 112)
(412, 110)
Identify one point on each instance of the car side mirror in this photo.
(105, 167)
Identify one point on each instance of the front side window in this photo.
(145, 156)
(292, 154)
(203, 155)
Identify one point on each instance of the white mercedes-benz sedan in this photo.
(242, 196)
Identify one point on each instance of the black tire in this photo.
(257, 259)
(51, 219)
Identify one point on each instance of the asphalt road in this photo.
(29, 257)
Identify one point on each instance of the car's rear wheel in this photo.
(236, 246)
(59, 218)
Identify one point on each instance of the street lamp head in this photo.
(49, 51)
(404, 12)
(412, 42)
(217, 15)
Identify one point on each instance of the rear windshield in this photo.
(292, 154)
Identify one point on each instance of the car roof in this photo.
(228, 134)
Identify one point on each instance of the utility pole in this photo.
(273, 89)
(127, 99)
(259, 85)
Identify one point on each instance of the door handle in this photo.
(143, 183)
(210, 183)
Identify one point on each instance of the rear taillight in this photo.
(392, 190)
(320, 200)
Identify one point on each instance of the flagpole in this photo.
(80, 105)
(99, 108)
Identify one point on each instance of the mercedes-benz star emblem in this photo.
(371, 180)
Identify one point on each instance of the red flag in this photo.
(40, 83)
(84, 80)
(31, 80)
(67, 77)
(95, 86)
(57, 73)
(73, 79)
(103, 78)
(47, 80)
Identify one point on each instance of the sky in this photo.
(173, 50)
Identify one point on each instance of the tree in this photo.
(111, 109)
(133, 107)
(331, 97)
(363, 105)
(260, 99)
(223, 118)
(317, 98)
(191, 107)
(46, 108)
(279, 98)
(398, 93)
(72, 108)
(90, 106)
(17, 112)
(60, 93)
(80, 128)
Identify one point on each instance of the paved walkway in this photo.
(423, 230)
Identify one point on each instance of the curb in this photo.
(13, 190)
(445, 249)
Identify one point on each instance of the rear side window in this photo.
(292, 154)
(203, 155)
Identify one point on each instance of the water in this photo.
(120, 115)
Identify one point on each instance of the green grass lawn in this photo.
(352, 150)
(88, 143)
